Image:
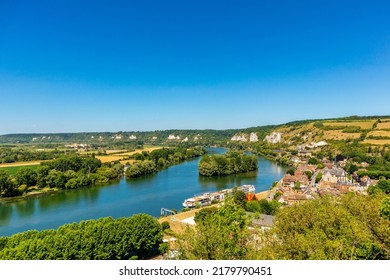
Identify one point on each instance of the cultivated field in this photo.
(120, 154)
(361, 124)
(381, 133)
(109, 158)
(338, 135)
(21, 163)
(383, 125)
(147, 149)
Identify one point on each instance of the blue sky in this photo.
(145, 65)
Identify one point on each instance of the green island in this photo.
(332, 203)
(230, 163)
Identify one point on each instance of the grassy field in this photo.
(383, 125)
(381, 133)
(362, 124)
(377, 142)
(109, 158)
(13, 169)
(120, 155)
(338, 135)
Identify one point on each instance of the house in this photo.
(304, 153)
(291, 198)
(365, 181)
(328, 164)
(265, 222)
(290, 181)
(132, 137)
(336, 175)
(294, 159)
(345, 188)
(307, 167)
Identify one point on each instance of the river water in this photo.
(166, 189)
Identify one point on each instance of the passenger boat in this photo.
(208, 198)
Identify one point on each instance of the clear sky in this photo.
(72, 66)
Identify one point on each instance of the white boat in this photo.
(208, 198)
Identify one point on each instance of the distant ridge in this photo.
(202, 136)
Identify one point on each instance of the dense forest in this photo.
(229, 163)
(137, 237)
(151, 162)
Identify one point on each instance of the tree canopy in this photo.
(102, 239)
(229, 163)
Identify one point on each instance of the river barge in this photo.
(208, 198)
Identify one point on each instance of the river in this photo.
(166, 189)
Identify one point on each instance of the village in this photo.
(307, 181)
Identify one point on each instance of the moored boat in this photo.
(208, 198)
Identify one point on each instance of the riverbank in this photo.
(180, 221)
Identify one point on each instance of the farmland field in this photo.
(377, 142)
(119, 156)
(21, 163)
(109, 158)
(338, 135)
(383, 125)
(361, 124)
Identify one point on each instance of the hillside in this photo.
(363, 130)
(373, 130)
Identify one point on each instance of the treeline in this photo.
(230, 163)
(151, 162)
(66, 172)
(137, 237)
(9, 155)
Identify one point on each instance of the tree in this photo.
(318, 177)
(26, 176)
(239, 198)
(229, 163)
(297, 186)
(291, 171)
(7, 186)
(385, 208)
(347, 227)
(221, 235)
(309, 174)
(104, 239)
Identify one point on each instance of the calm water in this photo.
(167, 188)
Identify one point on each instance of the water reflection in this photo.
(5, 214)
(25, 208)
(228, 181)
